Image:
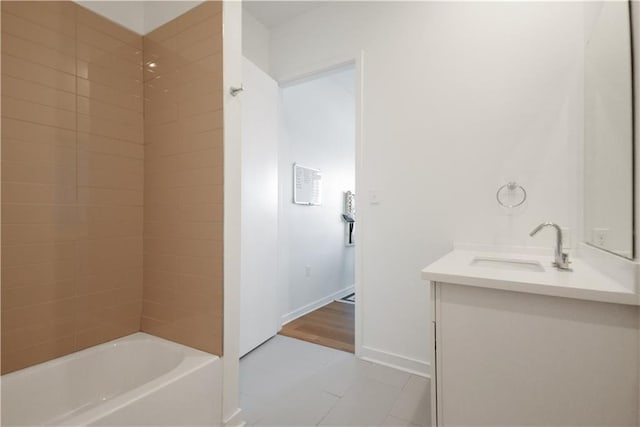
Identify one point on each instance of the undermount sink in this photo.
(507, 264)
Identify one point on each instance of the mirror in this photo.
(608, 126)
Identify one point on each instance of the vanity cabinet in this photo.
(511, 358)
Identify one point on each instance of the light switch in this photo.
(600, 236)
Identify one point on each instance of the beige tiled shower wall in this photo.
(183, 179)
(72, 181)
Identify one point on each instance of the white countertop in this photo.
(584, 282)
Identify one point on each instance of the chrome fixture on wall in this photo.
(349, 216)
(511, 187)
(234, 91)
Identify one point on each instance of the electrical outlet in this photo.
(374, 197)
(600, 236)
(307, 271)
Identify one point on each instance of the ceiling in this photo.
(139, 16)
(143, 16)
(274, 13)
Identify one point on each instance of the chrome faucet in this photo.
(561, 258)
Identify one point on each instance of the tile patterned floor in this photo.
(287, 382)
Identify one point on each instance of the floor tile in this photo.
(253, 407)
(392, 421)
(290, 382)
(336, 378)
(413, 404)
(366, 403)
(300, 407)
(281, 363)
(281, 349)
(386, 375)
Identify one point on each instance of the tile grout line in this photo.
(330, 409)
(397, 399)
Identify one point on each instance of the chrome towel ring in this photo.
(511, 186)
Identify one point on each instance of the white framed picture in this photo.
(307, 185)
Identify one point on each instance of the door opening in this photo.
(299, 221)
(318, 236)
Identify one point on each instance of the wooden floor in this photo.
(330, 326)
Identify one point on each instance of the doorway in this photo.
(298, 272)
(318, 237)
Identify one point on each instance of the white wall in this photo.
(232, 76)
(255, 41)
(458, 98)
(635, 43)
(318, 132)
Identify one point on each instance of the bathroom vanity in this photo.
(518, 342)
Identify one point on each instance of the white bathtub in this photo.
(136, 380)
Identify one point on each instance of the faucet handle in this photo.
(564, 262)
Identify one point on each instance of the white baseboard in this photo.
(289, 317)
(406, 364)
(235, 420)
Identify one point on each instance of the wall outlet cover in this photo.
(374, 197)
(600, 236)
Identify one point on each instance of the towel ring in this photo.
(511, 186)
